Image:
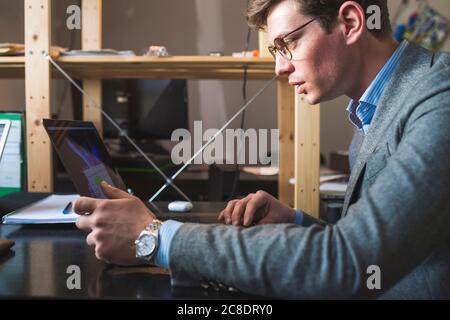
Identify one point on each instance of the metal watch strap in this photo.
(153, 228)
(155, 225)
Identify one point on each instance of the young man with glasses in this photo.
(396, 214)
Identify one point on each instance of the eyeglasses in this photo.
(281, 45)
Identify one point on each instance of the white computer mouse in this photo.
(180, 206)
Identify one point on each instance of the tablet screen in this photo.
(84, 156)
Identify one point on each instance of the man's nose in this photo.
(282, 66)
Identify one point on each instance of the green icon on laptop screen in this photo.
(98, 180)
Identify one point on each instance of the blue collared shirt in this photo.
(360, 114)
(166, 234)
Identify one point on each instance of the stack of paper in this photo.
(48, 210)
(12, 49)
(338, 188)
(100, 53)
(18, 49)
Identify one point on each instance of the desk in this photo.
(37, 267)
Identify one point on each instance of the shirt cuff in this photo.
(166, 234)
(298, 217)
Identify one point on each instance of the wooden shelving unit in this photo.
(298, 122)
(138, 67)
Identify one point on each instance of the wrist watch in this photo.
(147, 242)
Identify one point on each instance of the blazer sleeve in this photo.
(310, 220)
(396, 224)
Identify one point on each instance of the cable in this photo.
(122, 133)
(234, 188)
(213, 138)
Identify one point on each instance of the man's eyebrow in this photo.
(295, 34)
(281, 34)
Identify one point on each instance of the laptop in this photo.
(5, 126)
(87, 161)
(84, 155)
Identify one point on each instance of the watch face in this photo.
(145, 246)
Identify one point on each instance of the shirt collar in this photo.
(361, 112)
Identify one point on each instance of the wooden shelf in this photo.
(12, 67)
(181, 67)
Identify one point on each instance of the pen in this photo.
(67, 208)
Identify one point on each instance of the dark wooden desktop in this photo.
(37, 266)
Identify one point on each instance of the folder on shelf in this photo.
(12, 163)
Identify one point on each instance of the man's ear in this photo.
(352, 21)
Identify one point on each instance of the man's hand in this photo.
(260, 208)
(113, 224)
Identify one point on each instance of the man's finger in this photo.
(255, 204)
(112, 192)
(90, 239)
(85, 205)
(238, 212)
(226, 213)
(84, 223)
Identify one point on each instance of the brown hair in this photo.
(326, 11)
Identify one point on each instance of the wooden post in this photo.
(37, 90)
(286, 116)
(307, 156)
(263, 45)
(91, 39)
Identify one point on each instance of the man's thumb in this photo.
(112, 192)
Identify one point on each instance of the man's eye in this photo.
(283, 50)
(292, 42)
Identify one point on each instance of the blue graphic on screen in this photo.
(94, 170)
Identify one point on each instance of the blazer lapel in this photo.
(414, 62)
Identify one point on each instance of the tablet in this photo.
(84, 155)
(5, 125)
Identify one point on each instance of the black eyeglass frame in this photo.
(280, 45)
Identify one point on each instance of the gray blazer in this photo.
(396, 214)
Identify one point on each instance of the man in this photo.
(397, 210)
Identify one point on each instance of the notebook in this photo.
(47, 210)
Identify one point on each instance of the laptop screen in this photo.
(84, 156)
